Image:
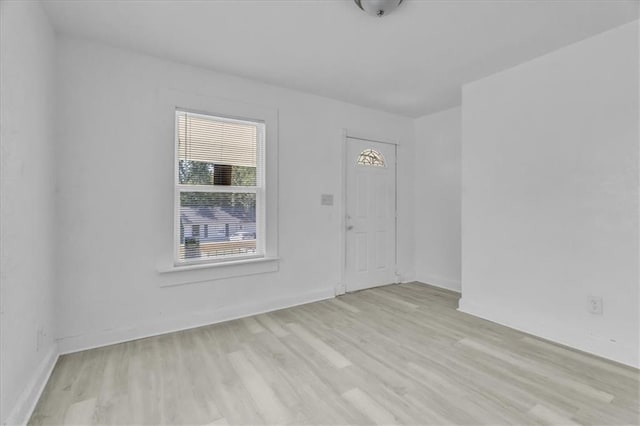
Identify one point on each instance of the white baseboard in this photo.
(407, 277)
(186, 321)
(437, 281)
(621, 352)
(27, 401)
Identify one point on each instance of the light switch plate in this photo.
(326, 199)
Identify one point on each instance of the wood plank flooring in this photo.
(399, 354)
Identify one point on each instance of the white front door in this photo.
(370, 214)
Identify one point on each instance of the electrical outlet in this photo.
(41, 335)
(39, 338)
(595, 305)
(326, 199)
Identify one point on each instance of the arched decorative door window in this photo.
(371, 157)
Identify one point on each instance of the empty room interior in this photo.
(320, 212)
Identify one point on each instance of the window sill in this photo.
(171, 275)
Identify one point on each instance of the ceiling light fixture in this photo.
(378, 8)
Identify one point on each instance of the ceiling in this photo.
(411, 62)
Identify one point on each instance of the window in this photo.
(219, 188)
(371, 157)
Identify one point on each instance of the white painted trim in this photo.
(356, 134)
(23, 409)
(406, 277)
(437, 281)
(343, 212)
(182, 187)
(396, 273)
(207, 272)
(176, 191)
(208, 265)
(554, 331)
(168, 100)
(184, 322)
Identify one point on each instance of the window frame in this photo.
(259, 190)
(224, 102)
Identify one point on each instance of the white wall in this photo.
(437, 168)
(550, 195)
(115, 175)
(26, 206)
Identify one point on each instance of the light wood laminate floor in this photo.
(399, 354)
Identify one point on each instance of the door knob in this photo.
(349, 228)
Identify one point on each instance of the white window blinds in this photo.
(208, 140)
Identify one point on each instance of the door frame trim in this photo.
(346, 135)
